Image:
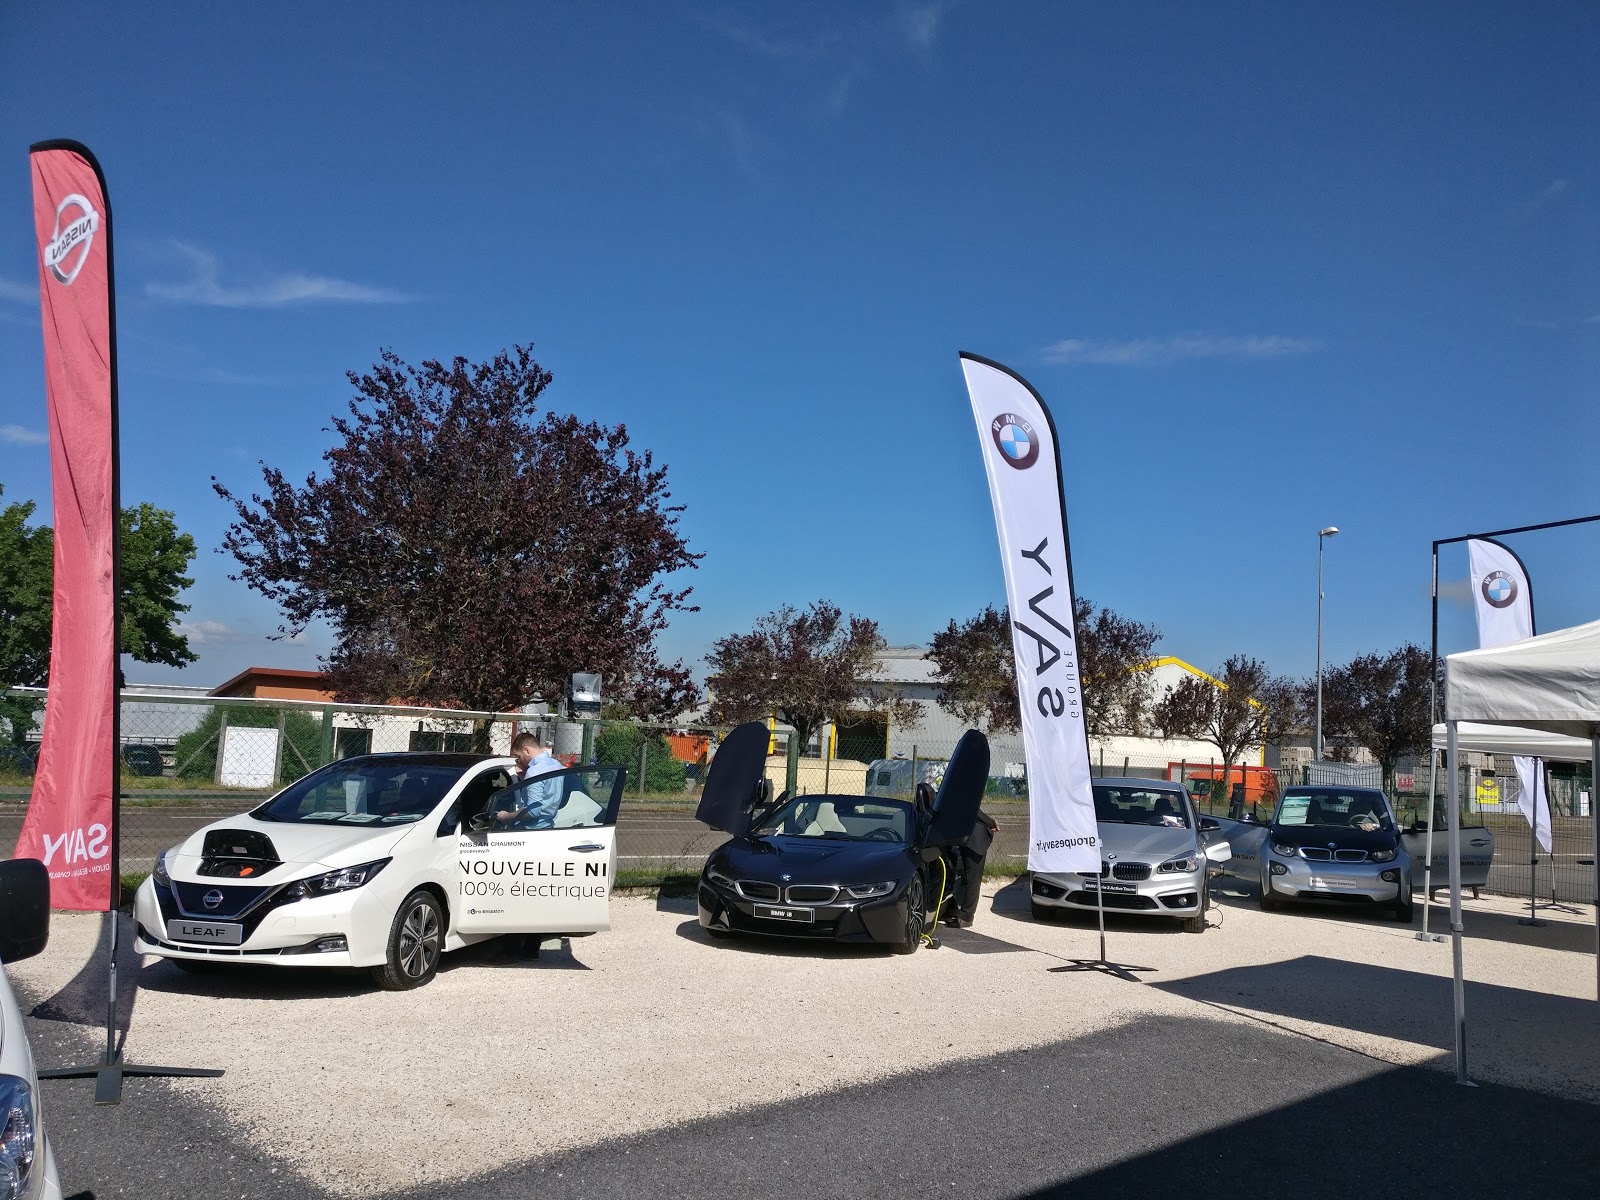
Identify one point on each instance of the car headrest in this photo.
(924, 797)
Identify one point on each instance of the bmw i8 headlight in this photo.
(342, 880)
(866, 891)
(1382, 856)
(1182, 864)
(721, 880)
(1284, 850)
(16, 1137)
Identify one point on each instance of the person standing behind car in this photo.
(973, 852)
(536, 803)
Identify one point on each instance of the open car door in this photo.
(955, 805)
(541, 856)
(736, 781)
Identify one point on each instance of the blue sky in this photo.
(1273, 266)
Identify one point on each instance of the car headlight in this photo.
(341, 880)
(1382, 856)
(721, 880)
(160, 873)
(1182, 864)
(1285, 851)
(16, 1137)
(866, 891)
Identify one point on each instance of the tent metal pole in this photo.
(1459, 982)
(1433, 759)
(1594, 822)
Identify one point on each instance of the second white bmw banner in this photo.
(1022, 459)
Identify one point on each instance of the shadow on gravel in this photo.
(1387, 1002)
(82, 1000)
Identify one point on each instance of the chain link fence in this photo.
(188, 761)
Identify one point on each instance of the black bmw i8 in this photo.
(842, 868)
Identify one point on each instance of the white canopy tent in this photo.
(1548, 684)
(1509, 739)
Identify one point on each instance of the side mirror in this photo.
(1418, 827)
(1219, 852)
(480, 822)
(24, 908)
(1209, 824)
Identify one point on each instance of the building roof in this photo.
(247, 680)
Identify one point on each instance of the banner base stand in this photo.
(1432, 937)
(1120, 970)
(108, 1076)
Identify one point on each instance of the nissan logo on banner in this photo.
(76, 234)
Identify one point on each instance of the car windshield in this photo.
(364, 792)
(844, 818)
(1115, 805)
(1336, 808)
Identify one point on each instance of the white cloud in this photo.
(18, 293)
(18, 436)
(205, 286)
(919, 23)
(1183, 347)
(1555, 189)
(207, 633)
(1455, 591)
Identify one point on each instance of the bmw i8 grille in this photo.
(754, 889)
(1130, 870)
(811, 893)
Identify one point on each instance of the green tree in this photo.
(1381, 701)
(470, 550)
(977, 672)
(619, 745)
(195, 755)
(808, 667)
(1244, 706)
(154, 556)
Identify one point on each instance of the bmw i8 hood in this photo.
(281, 850)
(781, 859)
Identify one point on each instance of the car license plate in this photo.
(1116, 889)
(1333, 882)
(212, 933)
(774, 913)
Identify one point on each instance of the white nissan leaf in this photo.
(386, 861)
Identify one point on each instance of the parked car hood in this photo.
(1146, 843)
(1336, 837)
(299, 845)
(813, 860)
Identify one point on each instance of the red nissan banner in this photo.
(70, 824)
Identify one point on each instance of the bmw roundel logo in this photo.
(212, 898)
(1015, 439)
(786, 878)
(1499, 589)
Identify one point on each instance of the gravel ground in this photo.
(650, 1028)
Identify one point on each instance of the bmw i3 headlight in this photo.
(1182, 864)
(1285, 850)
(1382, 856)
(342, 880)
(16, 1137)
(866, 891)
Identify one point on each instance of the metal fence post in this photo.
(327, 735)
(222, 740)
(791, 776)
(588, 744)
(644, 751)
(277, 751)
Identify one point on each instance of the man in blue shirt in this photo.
(535, 803)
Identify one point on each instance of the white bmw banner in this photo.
(1023, 462)
(1532, 799)
(1503, 601)
(1500, 593)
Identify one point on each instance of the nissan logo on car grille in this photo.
(212, 898)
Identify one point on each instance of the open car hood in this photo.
(735, 781)
(955, 807)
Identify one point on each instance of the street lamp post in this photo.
(1322, 534)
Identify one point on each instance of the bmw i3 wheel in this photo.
(416, 939)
